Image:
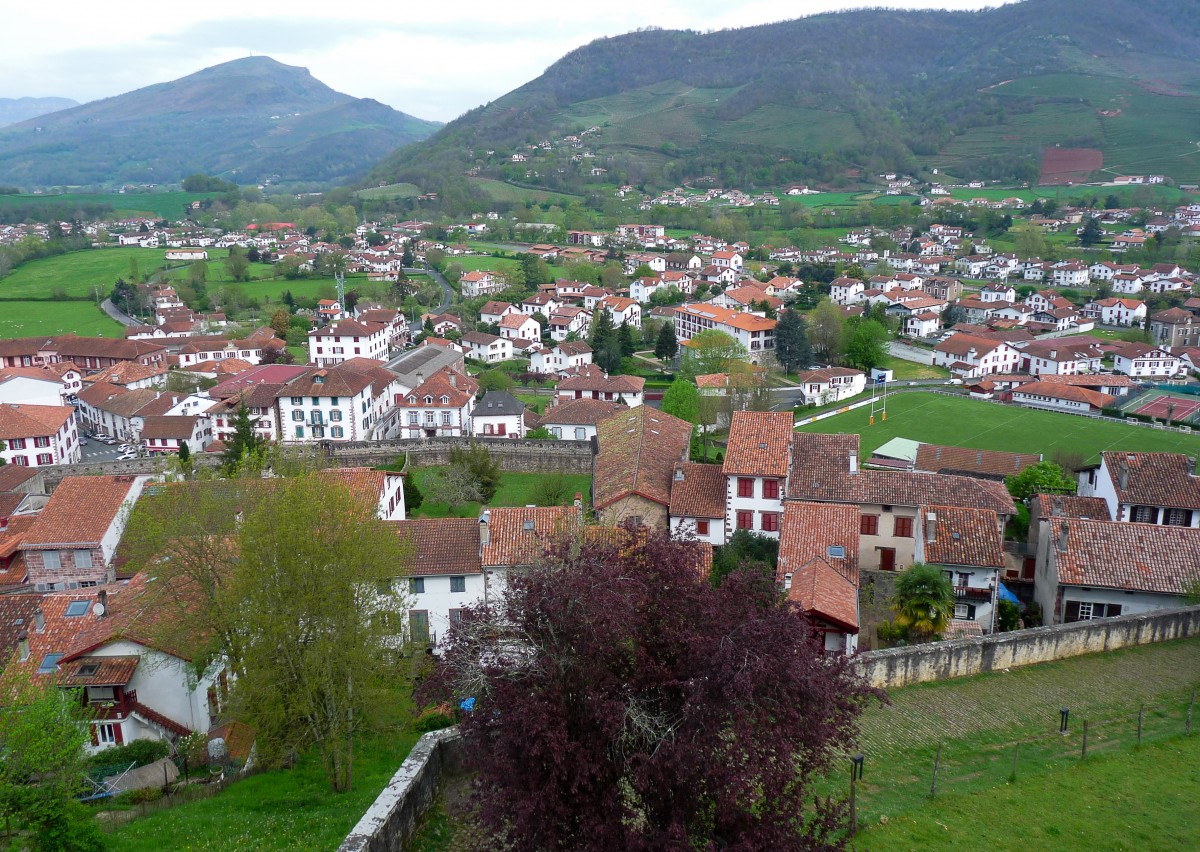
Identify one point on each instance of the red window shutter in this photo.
(770, 522)
(869, 525)
(117, 731)
(701, 527)
(903, 528)
(745, 520)
(771, 489)
(745, 487)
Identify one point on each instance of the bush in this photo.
(433, 719)
(145, 794)
(550, 490)
(478, 462)
(139, 752)
(412, 495)
(193, 748)
(1008, 616)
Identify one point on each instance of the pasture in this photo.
(499, 190)
(78, 273)
(392, 190)
(158, 205)
(34, 319)
(963, 422)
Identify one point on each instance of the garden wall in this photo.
(897, 667)
(392, 818)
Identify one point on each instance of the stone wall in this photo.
(897, 667)
(392, 818)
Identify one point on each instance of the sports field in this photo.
(962, 422)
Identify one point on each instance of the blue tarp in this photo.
(1006, 595)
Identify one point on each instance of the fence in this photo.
(180, 794)
(890, 785)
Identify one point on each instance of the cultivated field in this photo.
(392, 190)
(962, 422)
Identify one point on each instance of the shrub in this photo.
(433, 719)
(138, 752)
(550, 490)
(145, 794)
(1008, 616)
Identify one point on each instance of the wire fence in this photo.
(887, 782)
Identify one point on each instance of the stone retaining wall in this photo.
(897, 667)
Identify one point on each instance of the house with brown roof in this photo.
(1063, 356)
(162, 434)
(347, 402)
(439, 406)
(132, 375)
(969, 356)
(634, 469)
(567, 355)
(577, 419)
(818, 569)
(756, 470)
(33, 386)
(75, 537)
(1098, 569)
(1145, 488)
(119, 648)
(1061, 397)
(968, 546)
(964, 461)
(830, 384)
(1175, 327)
(697, 507)
(591, 382)
(38, 435)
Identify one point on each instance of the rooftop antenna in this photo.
(339, 280)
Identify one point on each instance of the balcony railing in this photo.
(972, 593)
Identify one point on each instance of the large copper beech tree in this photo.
(622, 702)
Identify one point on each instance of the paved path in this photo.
(910, 353)
(447, 293)
(119, 315)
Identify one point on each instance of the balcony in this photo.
(971, 593)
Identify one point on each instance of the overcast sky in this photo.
(432, 61)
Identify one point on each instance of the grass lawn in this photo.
(1117, 801)
(962, 422)
(908, 371)
(78, 272)
(162, 205)
(33, 319)
(280, 809)
(516, 489)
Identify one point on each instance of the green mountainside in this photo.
(973, 94)
(249, 119)
(13, 110)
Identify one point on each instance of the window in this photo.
(869, 525)
(51, 559)
(316, 400)
(98, 693)
(333, 400)
(835, 551)
(299, 431)
(964, 611)
(770, 522)
(1086, 611)
(1145, 515)
(745, 520)
(1178, 517)
(77, 608)
(297, 400)
(416, 585)
(41, 442)
(16, 443)
(335, 416)
(429, 421)
(701, 527)
(418, 625)
(458, 584)
(49, 663)
(412, 418)
(445, 418)
(902, 528)
(45, 458)
(298, 415)
(456, 617)
(106, 734)
(745, 487)
(335, 431)
(771, 489)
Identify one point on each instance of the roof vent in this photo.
(527, 525)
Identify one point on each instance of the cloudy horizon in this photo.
(417, 61)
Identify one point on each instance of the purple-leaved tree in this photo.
(622, 702)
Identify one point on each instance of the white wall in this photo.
(686, 527)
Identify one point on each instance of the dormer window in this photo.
(429, 400)
(445, 400)
(412, 400)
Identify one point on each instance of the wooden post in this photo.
(1085, 729)
(1141, 713)
(853, 799)
(937, 759)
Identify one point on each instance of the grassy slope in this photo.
(516, 489)
(971, 423)
(160, 205)
(32, 319)
(77, 272)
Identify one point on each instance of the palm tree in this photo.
(924, 601)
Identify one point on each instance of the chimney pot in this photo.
(23, 646)
(931, 527)
(1062, 536)
(39, 621)
(102, 599)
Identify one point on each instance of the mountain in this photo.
(249, 119)
(973, 94)
(13, 110)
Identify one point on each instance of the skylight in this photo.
(49, 663)
(77, 608)
(836, 551)
(88, 670)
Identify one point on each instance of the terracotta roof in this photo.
(158, 426)
(1070, 506)
(97, 671)
(697, 491)
(1098, 380)
(960, 344)
(827, 373)
(16, 620)
(638, 451)
(1063, 349)
(13, 476)
(41, 374)
(441, 545)
(962, 537)
(1073, 393)
(494, 307)
(580, 412)
(14, 532)
(520, 535)
(593, 378)
(963, 460)
(1154, 479)
(1138, 557)
(80, 511)
(758, 444)
(32, 421)
(125, 372)
(819, 547)
(725, 316)
(458, 389)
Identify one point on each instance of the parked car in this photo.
(83, 442)
(127, 456)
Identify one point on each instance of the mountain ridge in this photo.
(14, 110)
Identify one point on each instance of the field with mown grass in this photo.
(516, 489)
(962, 422)
(78, 273)
(33, 319)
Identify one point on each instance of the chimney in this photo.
(102, 599)
(787, 581)
(23, 647)
(39, 621)
(1123, 476)
(1062, 537)
(485, 530)
(930, 527)
(453, 379)
(420, 378)
(578, 501)
(853, 464)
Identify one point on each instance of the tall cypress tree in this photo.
(667, 344)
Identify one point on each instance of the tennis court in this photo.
(1163, 405)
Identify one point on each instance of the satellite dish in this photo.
(98, 609)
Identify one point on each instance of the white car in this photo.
(127, 456)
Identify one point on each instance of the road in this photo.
(910, 353)
(447, 294)
(119, 315)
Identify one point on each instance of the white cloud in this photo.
(426, 60)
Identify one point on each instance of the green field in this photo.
(77, 272)
(33, 319)
(499, 190)
(516, 489)
(160, 205)
(961, 422)
(392, 190)
(907, 371)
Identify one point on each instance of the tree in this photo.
(1045, 477)
(281, 323)
(620, 701)
(625, 340)
(276, 355)
(540, 433)
(825, 330)
(237, 265)
(455, 486)
(667, 345)
(496, 380)
(1030, 241)
(924, 601)
(1092, 232)
(244, 443)
(682, 400)
(185, 451)
(713, 351)
(792, 349)
(866, 347)
(484, 469)
(43, 735)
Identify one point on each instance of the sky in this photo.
(430, 61)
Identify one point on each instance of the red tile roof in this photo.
(520, 535)
(638, 451)
(819, 547)
(441, 545)
(1154, 479)
(962, 537)
(963, 460)
(697, 491)
(1118, 555)
(32, 421)
(580, 412)
(79, 512)
(758, 444)
(1070, 506)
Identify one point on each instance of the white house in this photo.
(38, 435)
(755, 333)
(479, 283)
(1141, 360)
(498, 414)
(831, 384)
(347, 338)
(756, 469)
(162, 434)
(968, 546)
(1063, 356)
(488, 348)
(520, 327)
(970, 356)
(1116, 311)
(492, 312)
(697, 508)
(846, 291)
(440, 406)
(622, 310)
(561, 357)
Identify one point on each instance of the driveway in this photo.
(909, 353)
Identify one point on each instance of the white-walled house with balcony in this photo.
(347, 338)
(755, 471)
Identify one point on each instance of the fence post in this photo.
(1083, 756)
(1016, 754)
(937, 759)
(853, 800)
(1141, 712)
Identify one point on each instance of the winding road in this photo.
(447, 294)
